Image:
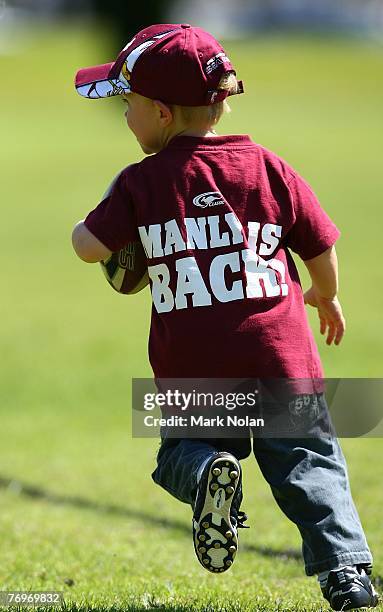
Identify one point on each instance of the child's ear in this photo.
(164, 113)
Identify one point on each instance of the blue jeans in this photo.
(309, 481)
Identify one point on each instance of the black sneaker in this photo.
(216, 513)
(350, 588)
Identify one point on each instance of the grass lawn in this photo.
(79, 512)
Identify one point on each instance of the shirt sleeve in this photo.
(313, 232)
(113, 221)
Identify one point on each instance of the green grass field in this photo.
(79, 512)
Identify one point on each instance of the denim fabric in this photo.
(308, 478)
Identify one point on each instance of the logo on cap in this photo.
(125, 72)
(134, 54)
(216, 61)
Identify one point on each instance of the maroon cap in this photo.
(174, 63)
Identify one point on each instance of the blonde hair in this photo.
(213, 112)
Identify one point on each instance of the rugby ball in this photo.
(126, 270)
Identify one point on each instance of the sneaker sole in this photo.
(347, 605)
(214, 535)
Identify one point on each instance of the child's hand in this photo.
(330, 315)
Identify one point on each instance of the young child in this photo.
(218, 216)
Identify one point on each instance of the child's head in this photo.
(155, 123)
(174, 78)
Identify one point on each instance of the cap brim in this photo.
(97, 82)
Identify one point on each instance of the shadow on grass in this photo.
(38, 493)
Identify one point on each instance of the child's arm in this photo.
(322, 295)
(110, 226)
(87, 246)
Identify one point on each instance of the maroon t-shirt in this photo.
(217, 217)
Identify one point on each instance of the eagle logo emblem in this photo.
(125, 72)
